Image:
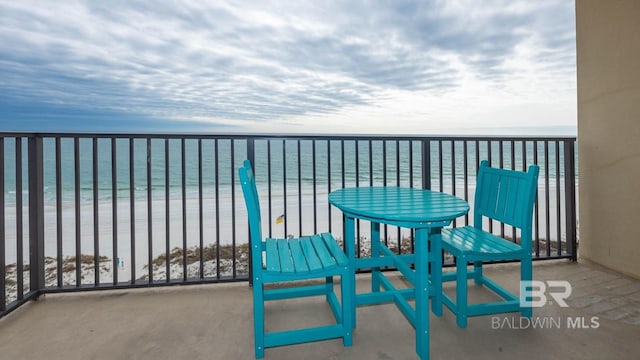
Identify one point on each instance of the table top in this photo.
(397, 204)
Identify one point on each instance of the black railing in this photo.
(107, 211)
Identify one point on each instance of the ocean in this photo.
(392, 155)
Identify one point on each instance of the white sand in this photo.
(210, 228)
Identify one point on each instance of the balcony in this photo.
(215, 321)
(151, 211)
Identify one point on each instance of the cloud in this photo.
(272, 62)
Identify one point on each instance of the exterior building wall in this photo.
(608, 68)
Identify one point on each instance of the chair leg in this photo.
(477, 272)
(329, 286)
(375, 253)
(258, 318)
(526, 274)
(347, 303)
(461, 292)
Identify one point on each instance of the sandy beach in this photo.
(229, 230)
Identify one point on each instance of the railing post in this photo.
(426, 164)
(251, 156)
(3, 296)
(570, 198)
(36, 214)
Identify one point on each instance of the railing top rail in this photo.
(288, 136)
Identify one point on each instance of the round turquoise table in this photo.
(425, 211)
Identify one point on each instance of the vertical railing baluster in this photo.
(233, 209)
(370, 162)
(411, 185)
(570, 198)
(217, 190)
(411, 163)
(299, 189)
(501, 151)
(96, 221)
(270, 207)
(315, 191)
(453, 173)
(342, 171)
(167, 212)
(329, 180)
(558, 205)
(399, 235)
(536, 205)
(201, 215)
(149, 213)
(426, 164)
(184, 210)
(513, 167)
(357, 160)
(384, 163)
(19, 221)
(342, 165)
(3, 274)
(384, 183)
(489, 158)
(475, 169)
(114, 212)
(546, 194)
(284, 187)
(132, 208)
(397, 162)
(59, 264)
(440, 166)
(76, 160)
(465, 161)
(251, 156)
(36, 215)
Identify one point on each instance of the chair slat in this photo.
(335, 249)
(313, 261)
(273, 257)
(299, 261)
(519, 211)
(284, 253)
(512, 198)
(323, 253)
(501, 197)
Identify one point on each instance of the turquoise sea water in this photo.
(334, 163)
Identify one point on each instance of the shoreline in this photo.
(296, 224)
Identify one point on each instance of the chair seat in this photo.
(313, 254)
(476, 244)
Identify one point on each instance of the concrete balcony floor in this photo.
(215, 322)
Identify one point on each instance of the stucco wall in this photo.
(608, 55)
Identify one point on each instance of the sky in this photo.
(369, 67)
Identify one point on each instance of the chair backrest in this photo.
(250, 192)
(507, 196)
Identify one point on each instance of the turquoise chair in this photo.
(503, 195)
(291, 260)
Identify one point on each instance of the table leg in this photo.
(422, 293)
(436, 270)
(375, 253)
(349, 241)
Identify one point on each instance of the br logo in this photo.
(534, 292)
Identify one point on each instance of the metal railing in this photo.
(105, 211)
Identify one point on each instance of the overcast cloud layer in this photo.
(287, 66)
